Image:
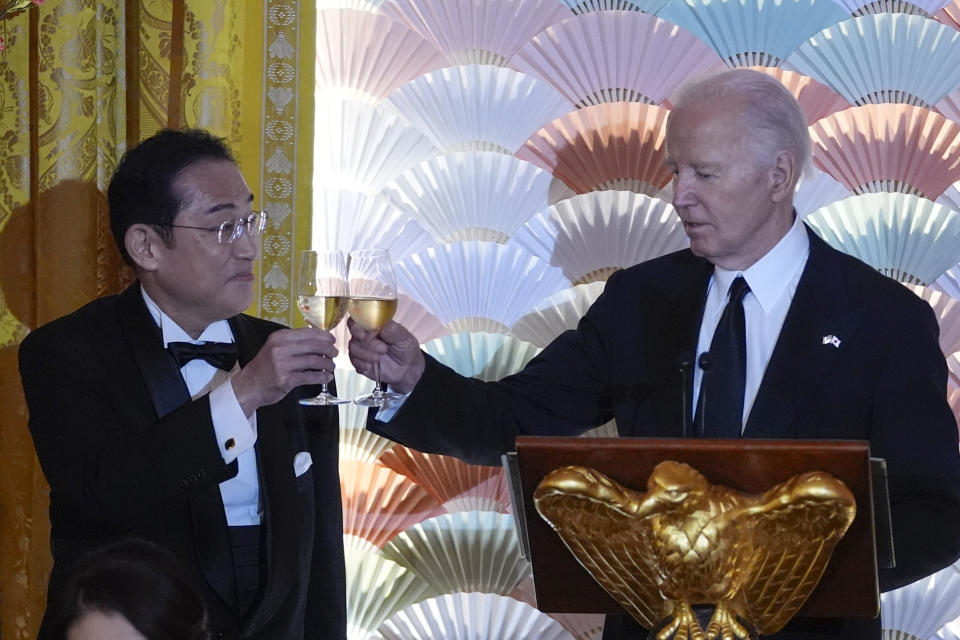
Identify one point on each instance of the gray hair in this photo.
(772, 113)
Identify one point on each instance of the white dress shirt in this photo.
(773, 280)
(241, 494)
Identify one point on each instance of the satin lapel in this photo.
(168, 391)
(821, 307)
(277, 488)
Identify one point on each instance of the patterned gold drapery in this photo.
(80, 82)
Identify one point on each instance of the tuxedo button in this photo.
(183, 484)
(229, 444)
(201, 474)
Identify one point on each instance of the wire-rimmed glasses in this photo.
(229, 231)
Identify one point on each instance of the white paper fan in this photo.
(586, 6)
(470, 32)
(592, 235)
(473, 551)
(359, 5)
(478, 286)
(921, 608)
(349, 220)
(884, 58)
(615, 56)
(476, 195)
(487, 356)
(911, 239)
(949, 105)
(582, 626)
(377, 587)
(453, 483)
(356, 443)
(364, 56)
(951, 197)
(949, 282)
(361, 148)
(947, 310)
(478, 107)
(750, 33)
(379, 503)
(556, 314)
(916, 7)
(818, 189)
(617, 145)
(472, 616)
(949, 631)
(606, 430)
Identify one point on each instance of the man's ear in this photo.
(783, 177)
(142, 242)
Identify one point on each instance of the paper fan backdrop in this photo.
(910, 239)
(379, 503)
(475, 195)
(356, 442)
(478, 286)
(586, 6)
(360, 5)
(615, 56)
(592, 235)
(889, 57)
(953, 397)
(922, 607)
(473, 551)
(364, 56)
(917, 7)
(948, 316)
(556, 314)
(889, 147)
(376, 589)
(750, 33)
(818, 189)
(949, 282)
(949, 105)
(471, 32)
(456, 485)
(616, 145)
(950, 14)
(582, 626)
(471, 616)
(478, 107)
(487, 356)
(816, 99)
(361, 147)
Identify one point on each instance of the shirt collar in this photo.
(218, 331)
(770, 276)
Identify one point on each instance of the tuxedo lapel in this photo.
(168, 391)
(687, 314)
(821, 309)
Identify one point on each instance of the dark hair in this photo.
(141, 190)
(138, 580)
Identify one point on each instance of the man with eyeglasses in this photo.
(166, 413)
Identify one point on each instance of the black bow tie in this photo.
(222, 355)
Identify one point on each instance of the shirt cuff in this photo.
(235, 433)
(387, 411)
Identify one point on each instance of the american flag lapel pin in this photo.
(832, 339)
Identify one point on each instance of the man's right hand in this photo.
(289, 358)
(394, 349)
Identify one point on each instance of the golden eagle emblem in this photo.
(686, 542)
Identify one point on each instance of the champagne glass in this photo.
(373, 301)
(322, 296)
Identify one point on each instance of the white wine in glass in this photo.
(373, 301)
(322, 296)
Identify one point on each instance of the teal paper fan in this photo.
(910, 239)
(749, 33)
(883, 58)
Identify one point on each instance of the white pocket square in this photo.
(301, 462)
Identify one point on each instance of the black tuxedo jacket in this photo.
(885, 382)
(126, 452)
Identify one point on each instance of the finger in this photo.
(356, 331)
(394, 333)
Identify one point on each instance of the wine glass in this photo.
(373, 301)
(322, 298)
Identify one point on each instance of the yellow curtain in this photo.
(80, 82)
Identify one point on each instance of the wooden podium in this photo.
(849, 585)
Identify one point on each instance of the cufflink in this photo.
(229, 444)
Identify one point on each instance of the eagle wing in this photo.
(795, 527)
(591, 513)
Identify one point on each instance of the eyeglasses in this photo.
(230, 230)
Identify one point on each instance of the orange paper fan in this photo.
(618, 145)
(816, 99)
(889, 147)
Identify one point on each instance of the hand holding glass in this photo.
(322, 295)
(373, 301)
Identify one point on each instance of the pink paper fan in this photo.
(379, 503)
(889, 147)
(615, 56)
(365, 55)
(950, 14)
(616, 146)
(450, 480)
(816, 99)
(949, 105)
(471, 32)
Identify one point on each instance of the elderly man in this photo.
(167, 414)
(737, 143)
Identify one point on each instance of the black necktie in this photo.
(222, 355)
(720, 409)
